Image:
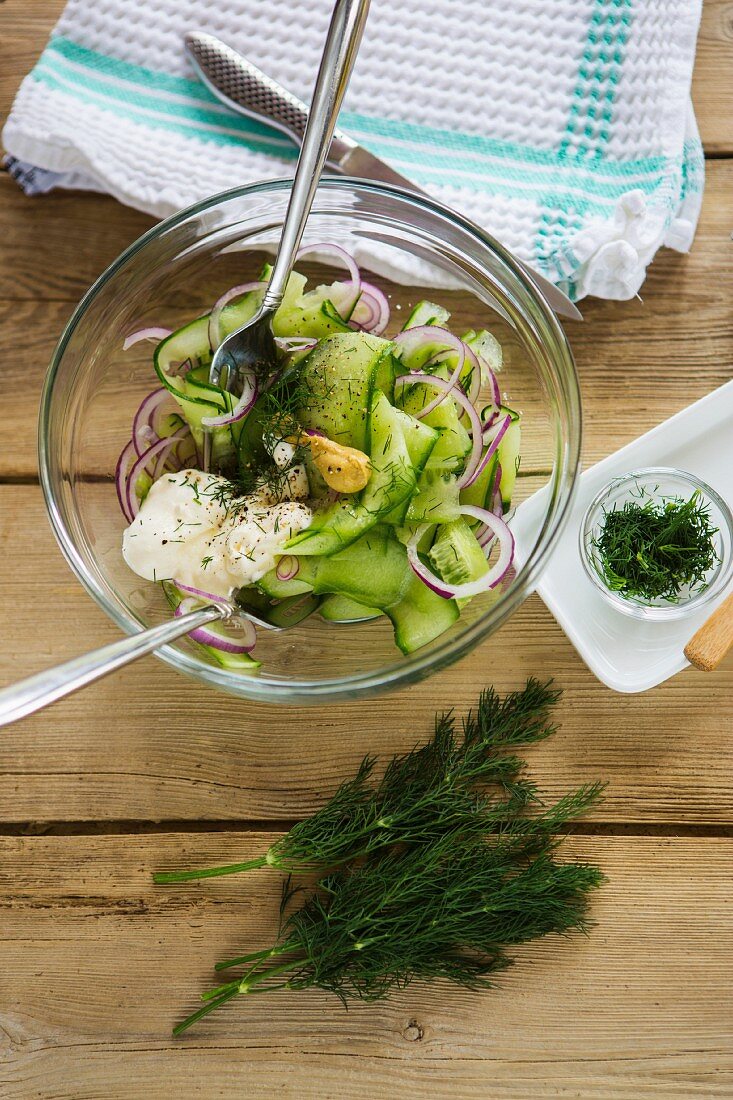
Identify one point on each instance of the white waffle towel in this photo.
(564, 127)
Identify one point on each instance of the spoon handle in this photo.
(28, 696)
(339, 54)
(709, 645)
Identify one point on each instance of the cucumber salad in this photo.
(361, 475)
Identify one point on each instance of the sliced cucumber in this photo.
(375, 572)
(372, 570)
(278, 589)
(309, 314)
(509, 457)
(388, 368)
(426, 313)
(340, 373)
(293, 610)
(454, 444)
(456, 555)
(485, 345)
(420, 616)
(342, 609)
(420, 440)
(404, 534)
(391, 482)
(437, 499)
(480, 492)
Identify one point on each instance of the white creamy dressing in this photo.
(190, 528)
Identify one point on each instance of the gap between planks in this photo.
(133, 827)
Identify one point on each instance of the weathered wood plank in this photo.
(98, 965)
(639, 362)
(26, 24)
(148, 743)
(712, 83)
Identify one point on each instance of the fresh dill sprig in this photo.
(656, 549)
(423, 793)
(448, 910)
(430, 873)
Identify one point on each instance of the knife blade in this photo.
(248, 91)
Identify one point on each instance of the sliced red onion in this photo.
(459, 396)
(294, 343)
(162, 446)
(127, 456)
(427, 337)
(215, 336)
(493, 575)
(354, 285)
(495, 391)
(287, 568)
(490, 451)
(151, 333)
(143, 433)
(216, 636)
(372, 309)
(242, 407)
(483, 534)
(490, 422)
(199, 593)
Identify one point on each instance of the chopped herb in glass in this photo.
(656, 549)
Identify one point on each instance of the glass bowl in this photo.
(658, 483)
(175, 272)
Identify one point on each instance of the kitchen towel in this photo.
(564, 127)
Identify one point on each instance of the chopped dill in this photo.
(656, 549)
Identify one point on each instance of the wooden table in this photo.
(147, 769)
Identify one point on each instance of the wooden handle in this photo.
(709, 645)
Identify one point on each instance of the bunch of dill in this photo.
(656, 549)
(431, 872)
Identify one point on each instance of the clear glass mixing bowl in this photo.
(174, 273)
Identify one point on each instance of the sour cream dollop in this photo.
(190, 528)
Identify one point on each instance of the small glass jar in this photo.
(659, 484)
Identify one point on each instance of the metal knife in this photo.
(248, 91)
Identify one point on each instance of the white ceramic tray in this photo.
(627, 654)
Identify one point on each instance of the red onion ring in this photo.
(483, 534)
(490, 451)
(493, 576)
(209, 635)
(199, 593)
(374, 301)
(142, 424)
(287, 567)
(426, 337)
(490, 422)
(127, 455)
(163, 445)
(215, 336)
(459, 396)
(345, 308)
(240, 410)
(150, 333)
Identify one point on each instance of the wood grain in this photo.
(639, 362)
(149, 744)
(25, 25)
(712, 86)
(709, 645)
(98, 965)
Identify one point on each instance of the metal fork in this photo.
(253, 344)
